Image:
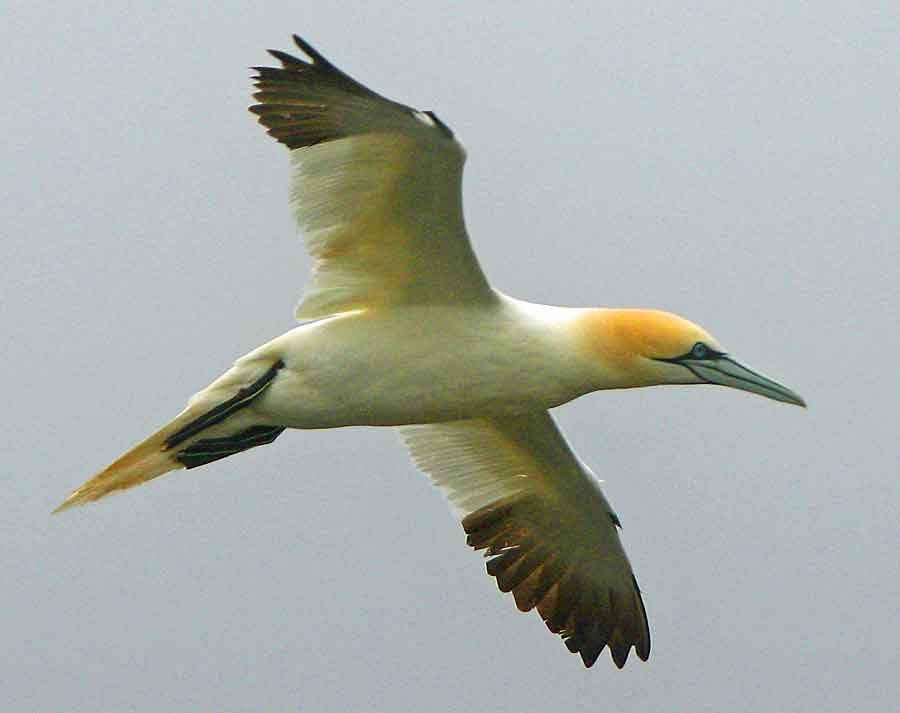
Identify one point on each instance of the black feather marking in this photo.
(550, 573)
(587, 615)
(308, 101)
(493, 534)
(288, 60)
(311, 52)
(593, 645)
(642, 647)
(208, 450)
(218, 414)
(440, 124)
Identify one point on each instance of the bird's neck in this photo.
(613, 342)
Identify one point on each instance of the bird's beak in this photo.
(726, 371)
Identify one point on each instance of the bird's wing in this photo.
(539, 514)
(376, 190)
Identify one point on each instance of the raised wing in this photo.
(376, 190)
(539, 513)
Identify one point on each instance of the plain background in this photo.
(733, 162)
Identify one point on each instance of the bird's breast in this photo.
(419, 365)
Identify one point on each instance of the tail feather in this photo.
(145, 461)
(213, 426)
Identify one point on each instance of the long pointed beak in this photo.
(726, 371)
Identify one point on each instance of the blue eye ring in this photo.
(699, 351)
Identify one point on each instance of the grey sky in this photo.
(735, 163)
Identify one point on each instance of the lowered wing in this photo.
(539, 514)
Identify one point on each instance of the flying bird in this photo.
(399, 327)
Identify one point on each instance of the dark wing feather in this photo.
(588, 615)
(306, 102)
(375, 190)
(549, 534)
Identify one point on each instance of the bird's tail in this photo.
(146, 461)
(198, 435)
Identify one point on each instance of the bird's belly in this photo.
(399, 373)
(348, 392)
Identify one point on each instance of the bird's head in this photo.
(643, 347)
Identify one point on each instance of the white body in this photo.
(416, 365)
(401, 328)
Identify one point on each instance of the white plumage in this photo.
(404, 330)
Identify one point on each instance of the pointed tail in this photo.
(198, 435)
(146, 461)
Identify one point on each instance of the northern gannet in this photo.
(400, 327)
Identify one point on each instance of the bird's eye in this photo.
(700, 351)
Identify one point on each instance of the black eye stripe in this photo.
(702, 352)
(699, 352)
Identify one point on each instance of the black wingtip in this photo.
(642, 647)
(288, 60)
(620, 656)
(310, 51)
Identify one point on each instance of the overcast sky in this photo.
(736, 163)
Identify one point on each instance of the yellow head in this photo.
(644, 347)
